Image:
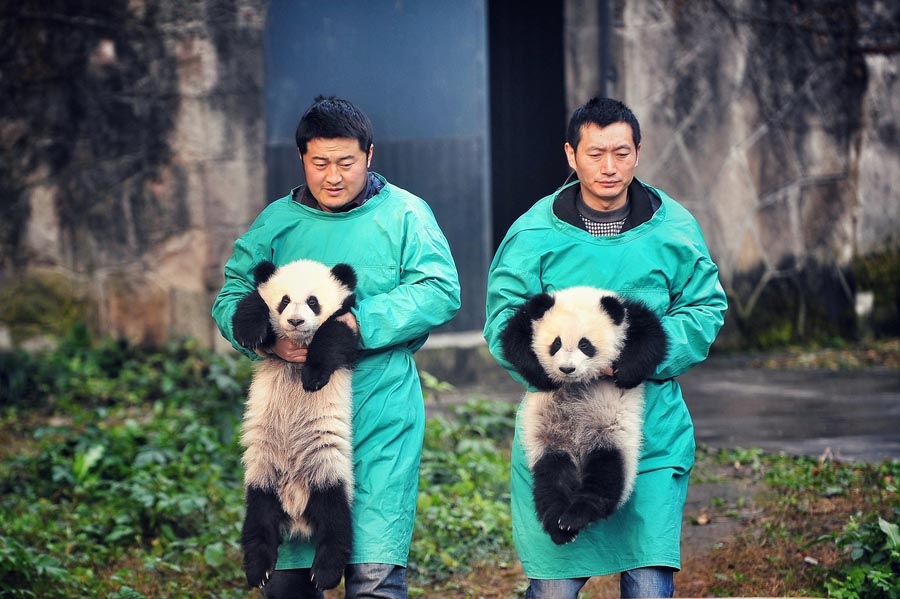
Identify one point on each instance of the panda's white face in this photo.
(576, 340)
(301, 296)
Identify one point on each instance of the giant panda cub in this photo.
(581, 430)
(298, 467)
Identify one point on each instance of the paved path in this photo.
(851, 415)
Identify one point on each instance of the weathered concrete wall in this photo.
(131, 153)
(775, 123)
(132, 140)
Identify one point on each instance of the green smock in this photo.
(663, 262)
(407, 285)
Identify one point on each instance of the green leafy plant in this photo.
(463, 510)
(874, 568)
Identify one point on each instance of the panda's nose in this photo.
(567, 369)
(295, 321)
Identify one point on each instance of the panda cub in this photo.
(298, 466)
(581, 430)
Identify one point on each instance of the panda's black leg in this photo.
(603, 481)
(555, 485)
(333, 346)
(261, 535)
(328, 512)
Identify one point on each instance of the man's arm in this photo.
(427, 296)
(238, 269)
(512, 280)
(694, 319)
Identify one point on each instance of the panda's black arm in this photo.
(250, 323)
(515, 340)
(644, 349)
(335, 345)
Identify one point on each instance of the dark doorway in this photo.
(527, 106)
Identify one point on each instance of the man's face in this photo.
(604, 162)
(336, 170)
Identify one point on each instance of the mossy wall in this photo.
(42, 306)
(131, 156)
(880, 274)
(775, 123)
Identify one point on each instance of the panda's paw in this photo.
(581, 513)
(327, 570)
(559, 535)
(258, 566)
(314, 378)
(562, 537)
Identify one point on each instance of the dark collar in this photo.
(643, 205)
(302, 195)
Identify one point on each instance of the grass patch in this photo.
(120, 476)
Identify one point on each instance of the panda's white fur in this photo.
(296, 431)
(581, 430)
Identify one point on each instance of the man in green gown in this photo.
(407, 285)
(610, 230)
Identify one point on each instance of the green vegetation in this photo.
(818, 527)
(120, 476)
(880, 273)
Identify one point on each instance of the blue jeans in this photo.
(640, 582)
(361, 581)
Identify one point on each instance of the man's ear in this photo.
(369, 157)
(637, 155)
(570, 155)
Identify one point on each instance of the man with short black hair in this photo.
(407, 285)
(609, 230)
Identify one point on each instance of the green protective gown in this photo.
(663, 262)
(407, 285)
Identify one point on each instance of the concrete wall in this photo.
(775, 123)
(132, 146)
(131, 149)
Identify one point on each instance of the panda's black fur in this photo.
(581, 430)
(298, 466)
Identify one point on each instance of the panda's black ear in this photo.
(538, 305)
(345, 274)
(263, 271)
(614, 308)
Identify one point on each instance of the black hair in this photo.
(333, 117)
(601, 112)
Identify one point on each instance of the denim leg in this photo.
(375, 581)
(556, 588)
(291, 584)
(647, 582)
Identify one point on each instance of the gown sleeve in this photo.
(238, 283)
(694, 317)
(513, 278)
(428, 294)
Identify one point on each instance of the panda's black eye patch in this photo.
(285, 302)
(587, 348)
(313, 303)
(555, 346)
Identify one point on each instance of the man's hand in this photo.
(289, 351)
(350, 320)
